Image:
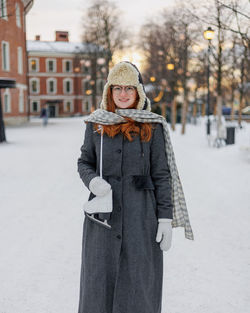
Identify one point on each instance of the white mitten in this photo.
(164, 233)
(98, 186)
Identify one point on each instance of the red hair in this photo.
(125, 128)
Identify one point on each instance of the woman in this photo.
(122, 265)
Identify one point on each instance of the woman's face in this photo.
(124, 96)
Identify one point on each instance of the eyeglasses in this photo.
(128, 89)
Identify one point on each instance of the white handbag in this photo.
(99, 204)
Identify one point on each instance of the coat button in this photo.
(119, 236)
(118, 178)
(119, 150)
(119, 209)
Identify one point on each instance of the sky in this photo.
(47, 16)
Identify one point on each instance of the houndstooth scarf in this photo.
(180, 213)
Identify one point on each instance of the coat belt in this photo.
(141, 182)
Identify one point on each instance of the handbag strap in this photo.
(101, 149)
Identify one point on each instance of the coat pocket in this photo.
(143, 182)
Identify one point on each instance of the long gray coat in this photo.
(122, 267)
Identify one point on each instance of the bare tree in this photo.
(242, 18)
(229, 26)
(232, 72)
(184, 29)
(168, 42)
(160, 44)
(102, 27)
(170, 38)
(230, 19)
(102, 36)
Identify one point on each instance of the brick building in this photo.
(13, 58)
(61, 76)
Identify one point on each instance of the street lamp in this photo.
(170, 66)
(88, 92)
(101, 61)
(208, 35)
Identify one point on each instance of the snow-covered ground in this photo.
(41, 219)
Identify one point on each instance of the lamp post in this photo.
(208, 35)
(76, 85)
(4, 83)
(170, 67)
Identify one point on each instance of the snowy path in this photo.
(41, 220)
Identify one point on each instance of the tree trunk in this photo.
(240, 108)
(185, 102)
(215, 108)
(173, 114)
(94, 79)
(203, 109)
(163, 109)
(194, 110)
(220, 39)
(232, 105)
(242, 80)
(184, 115)
(219, 114)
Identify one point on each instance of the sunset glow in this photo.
(135, 57)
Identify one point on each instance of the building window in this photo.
(35, 107)
(86, 69)
(18, 16)
(86, 105)
(51, 65)
(6, 101)
(86, 86)
(20, 60)
(67, 66)
(68, 106)
(3, 9)
(51, 85)
(86, 66)
(5, 56)
(100, 86)
(34, 85)
(34, 65)
(68, 86)
(21, 101)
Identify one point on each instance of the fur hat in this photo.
(123, 74)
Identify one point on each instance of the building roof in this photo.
(55, 47)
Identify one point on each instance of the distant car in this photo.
(226, 110)
(246, 110)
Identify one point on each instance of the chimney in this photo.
(62, 36)
(37, 37)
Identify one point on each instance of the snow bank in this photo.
(41, 222)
